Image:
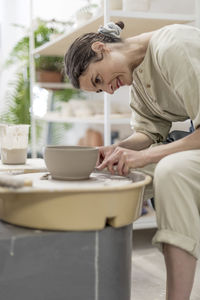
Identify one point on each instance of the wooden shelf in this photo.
(98, 119)
(54, 85)
(135, 23)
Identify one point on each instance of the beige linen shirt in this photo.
(166, 85)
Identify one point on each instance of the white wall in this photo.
(61, 9)
(173, 6)
(10, 12)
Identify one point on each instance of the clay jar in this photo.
(14, 143)
(70, 162)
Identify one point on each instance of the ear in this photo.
(99, 47)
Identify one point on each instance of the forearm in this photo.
(137, 141)
(190, 142)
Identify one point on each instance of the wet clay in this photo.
(14, 156)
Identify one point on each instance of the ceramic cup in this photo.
(14, 143)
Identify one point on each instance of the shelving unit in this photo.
(136, 23)
(99, 119)
(53, 85)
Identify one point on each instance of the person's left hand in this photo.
(124, 160)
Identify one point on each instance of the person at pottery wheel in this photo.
(163, 69)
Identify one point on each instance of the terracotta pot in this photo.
(92, 138)
(48, 76)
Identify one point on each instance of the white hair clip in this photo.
(110, 29)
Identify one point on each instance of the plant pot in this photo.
(92, 138)
(48, 76)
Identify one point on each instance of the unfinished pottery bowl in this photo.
(70, 162)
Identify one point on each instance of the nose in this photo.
(109, 89)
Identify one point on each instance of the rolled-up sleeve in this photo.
(189, 91)
(155, 128)
(143, 120)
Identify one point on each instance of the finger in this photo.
(122, 162)
(110, 167)
(100, 159)
(109, 162)
(120, 166)
(101, 156)
(126, 169)
(112, 162)
(102, 165)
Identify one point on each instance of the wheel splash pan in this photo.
(81, 205)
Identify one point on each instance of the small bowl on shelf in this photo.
(70, 162)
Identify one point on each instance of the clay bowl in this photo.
(70, 162)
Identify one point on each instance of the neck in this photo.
(137, 47)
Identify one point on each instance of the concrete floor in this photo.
(148, 269)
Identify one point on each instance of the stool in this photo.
(68, 265)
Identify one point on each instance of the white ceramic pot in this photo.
(66, 110)
(82, 17)
(136, 5)
(114, 4)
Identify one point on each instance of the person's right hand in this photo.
(104, 152)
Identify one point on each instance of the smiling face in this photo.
(108, 74)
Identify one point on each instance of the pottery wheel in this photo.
(74, 205)
(96, 180)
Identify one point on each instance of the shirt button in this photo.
(148, 85)
(140, 70)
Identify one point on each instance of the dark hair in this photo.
(80, 53)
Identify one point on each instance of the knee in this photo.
(169, 168)
(165, 183)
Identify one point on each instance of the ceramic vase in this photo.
(136, 5)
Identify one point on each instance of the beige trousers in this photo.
(176, 190)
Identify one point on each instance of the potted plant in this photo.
(49, 68)
(18, 95)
